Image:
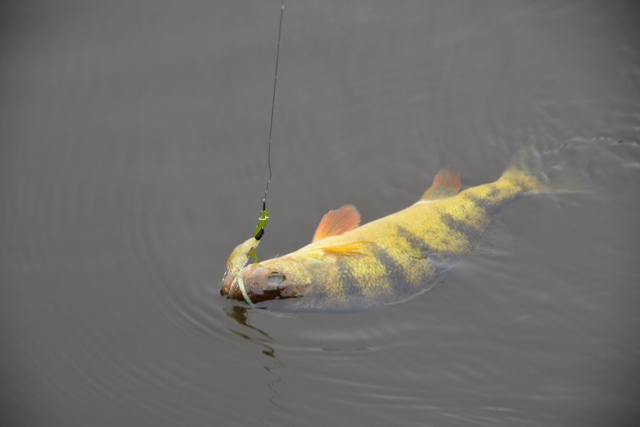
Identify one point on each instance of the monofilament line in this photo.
(273, 103)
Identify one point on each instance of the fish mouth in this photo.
(260, 284)
(236, 286)
(227, 283)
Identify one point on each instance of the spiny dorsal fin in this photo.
(337, 222)
(446, 183)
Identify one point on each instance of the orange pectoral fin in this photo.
(352, 248)
(446, 183)
(337, 222)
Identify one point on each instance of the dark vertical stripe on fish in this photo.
(493, 200)
(467, 229)
(394, 272)
(489, 206)
(415, 242)
(350, 283)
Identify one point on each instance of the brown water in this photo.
(133, 159)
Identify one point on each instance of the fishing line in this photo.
(264, 215)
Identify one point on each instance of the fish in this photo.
(351, 267)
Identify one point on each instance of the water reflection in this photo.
(241, 316)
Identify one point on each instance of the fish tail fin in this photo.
(541, 169)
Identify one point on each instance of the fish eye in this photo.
(275, 278)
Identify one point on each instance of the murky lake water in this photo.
(133, 159)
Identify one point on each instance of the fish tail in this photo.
(539, 169)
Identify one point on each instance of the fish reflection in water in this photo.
(240, 315)
(348, 267)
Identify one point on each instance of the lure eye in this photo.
(275, 278)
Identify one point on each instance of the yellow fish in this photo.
(348, 267)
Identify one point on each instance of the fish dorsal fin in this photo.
(337, 222)
(446, 183)
(351, 248)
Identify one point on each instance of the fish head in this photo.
(277, 278)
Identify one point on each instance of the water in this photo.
(133, 159)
